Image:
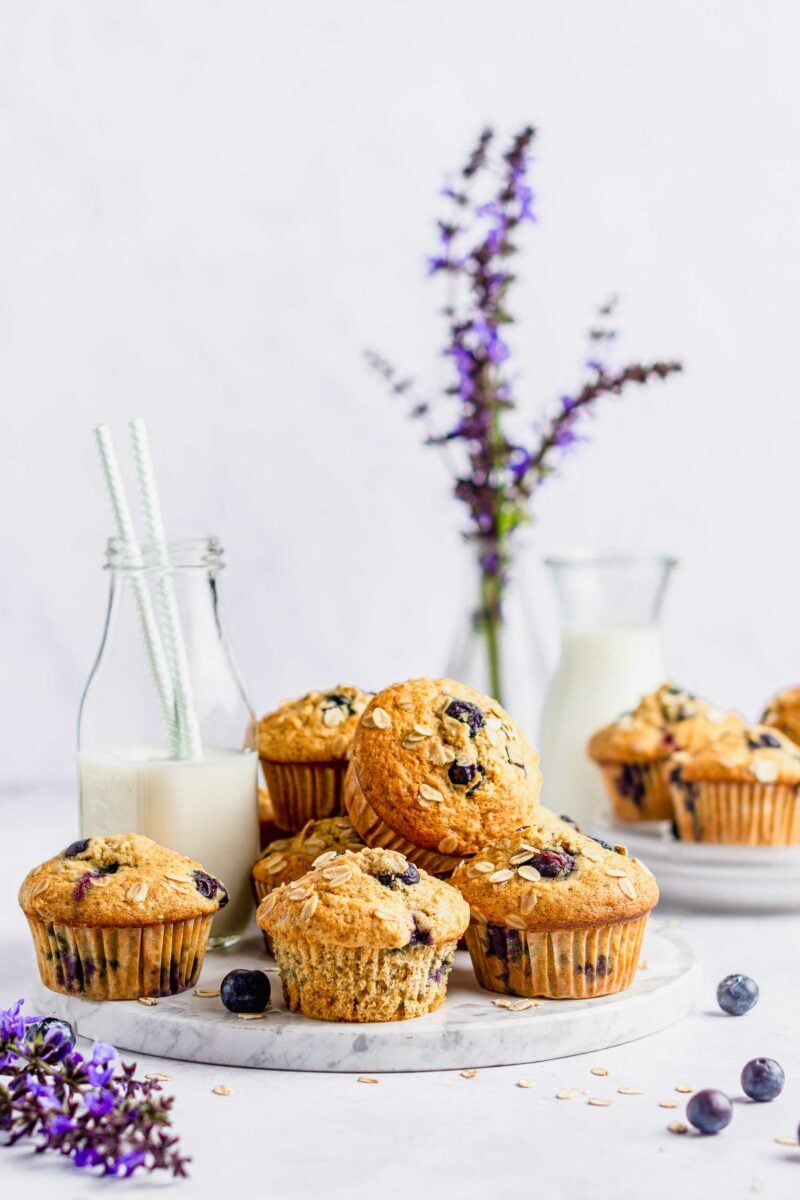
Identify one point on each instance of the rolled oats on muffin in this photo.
(437, 770)
(554, 913)
(742, 789)
(632, 751)
(304, 747)
(783, 713)
(364, 936)
(120, 917)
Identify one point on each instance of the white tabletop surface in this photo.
(281, 1135)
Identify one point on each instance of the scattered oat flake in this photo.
(668, 1104)
(251, 1016)
(599, 1102)
(684, 1087)
(644, 964)
(629, 1091)
(678, 1127)
(367, 1079)
(525, 1083)
(783, 1141)
(521, 1005)
(599, 1070)
(160, 1076)
(470, 1074)
(148, 1000)
(222, 1089)
(567, 1094)
(205, 992)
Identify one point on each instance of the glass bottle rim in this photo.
(183, 553)
(611, 558)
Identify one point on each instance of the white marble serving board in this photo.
(467, 1031)
(711, 877)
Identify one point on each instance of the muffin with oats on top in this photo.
(304, 747)
(554, 913)
(437, 770)
(120, 918)
(783, 713)
(364, 937)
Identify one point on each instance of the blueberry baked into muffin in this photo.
(742, 789)
(633, 750)
(364, 937)
(438, 770)
(118, 918)
(783, 713)
(554, 913)
(304, 747)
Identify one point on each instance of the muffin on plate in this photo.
(554, 913)
(118, 918)
(742, 789)
(364, 937)
(304, 747)
(438, 770)
(287, 858)
(632, 751)
(783, 713)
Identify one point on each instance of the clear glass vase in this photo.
(131, 778)
(497, 648)
(611, 655)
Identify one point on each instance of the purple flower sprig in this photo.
(488, 204)
(93, 1111)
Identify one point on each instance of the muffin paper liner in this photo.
(302, 792)
(337, 983)
(566, 964)
(372, 830)
(654, 803)
(737, 813)
(111, 963)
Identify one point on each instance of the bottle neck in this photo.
(179, 556)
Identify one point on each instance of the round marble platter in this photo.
(469, 1030)
(712, 877)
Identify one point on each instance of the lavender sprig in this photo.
(99, 1115)
(499, 474)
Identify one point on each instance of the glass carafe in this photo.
(611, 655)
(130, 781)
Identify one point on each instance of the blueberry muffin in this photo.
(554, 913)
(118, 918)
(364, 937)
(633, 750)
(783, 713)
(742, 789)
(437, 771)
(304, 747)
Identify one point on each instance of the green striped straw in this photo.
(166, 602)
(123, 522)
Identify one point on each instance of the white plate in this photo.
(705, 876)
(467, 1031)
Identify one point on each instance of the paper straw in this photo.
(157, 662)
(166, 601)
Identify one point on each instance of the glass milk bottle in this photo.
(611, 655)
(205, 807)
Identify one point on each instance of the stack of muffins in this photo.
(719, 779)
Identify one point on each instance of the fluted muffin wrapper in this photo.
(653, 805)
(302, 792)
(340, 983)
(557, 964)
(121, 963)
(737, 813)
(374, 831)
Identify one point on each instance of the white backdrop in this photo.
(208, 210)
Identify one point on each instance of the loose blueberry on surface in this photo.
(53, 1030)
(762, 1079)
(76, 848)
(467, 713)
(461, 773)
(553, 863)
(737, 994)
(245, 991)
(709, 1110)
